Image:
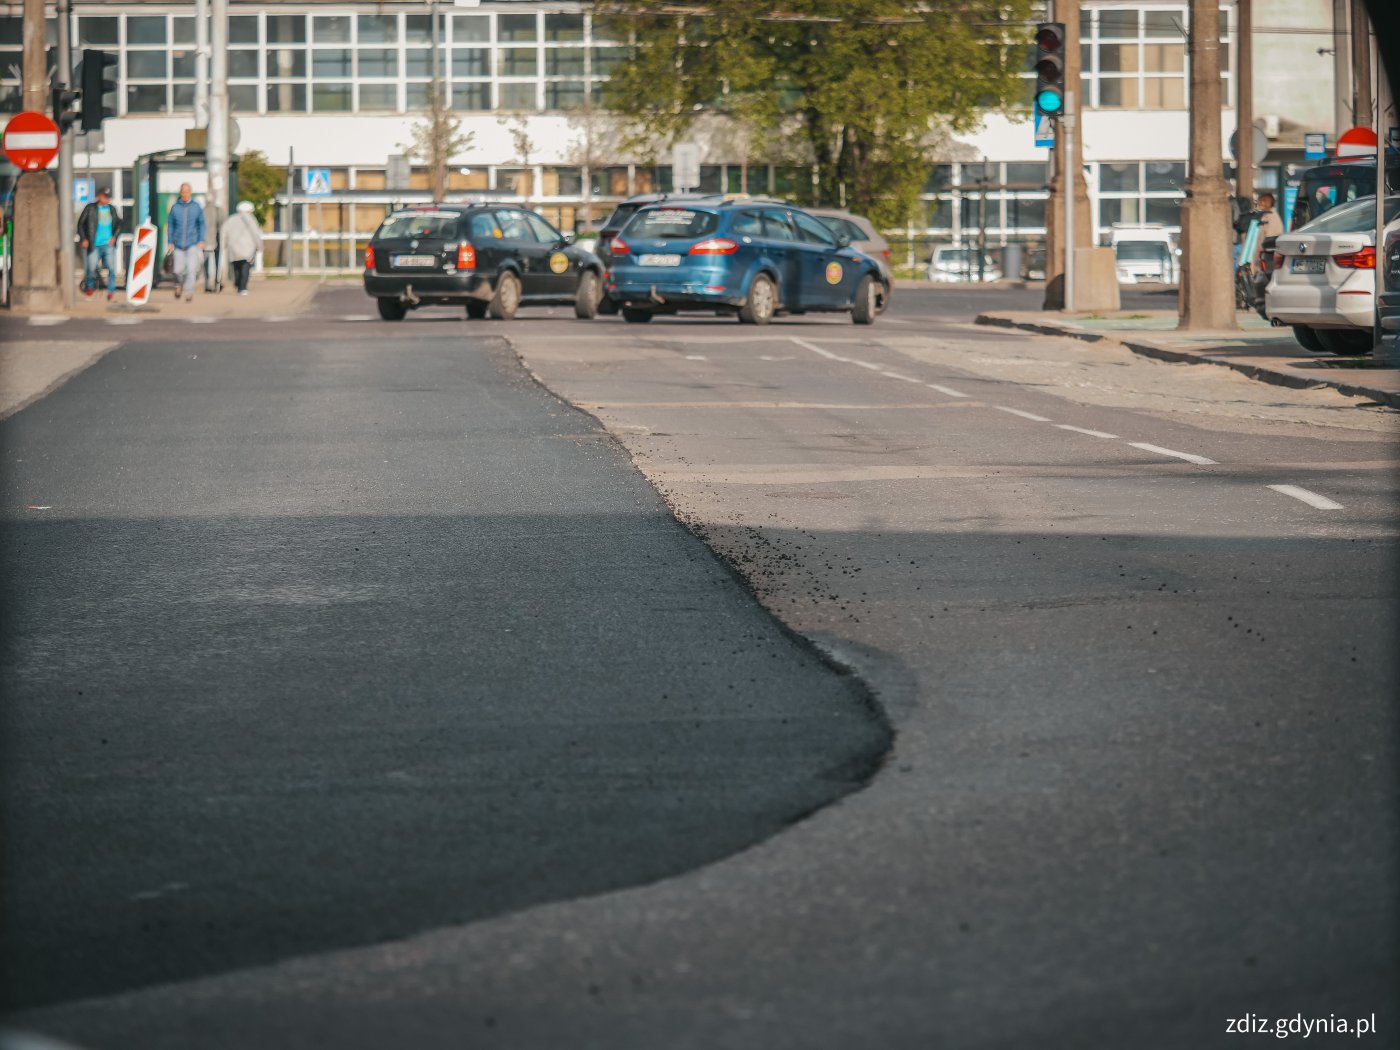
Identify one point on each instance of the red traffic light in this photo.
(1050, 38)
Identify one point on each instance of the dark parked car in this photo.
(490, 258)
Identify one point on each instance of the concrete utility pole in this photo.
(1362, 102)
(216, 145)
(1244, 101)
(1207, 299)
(201, 63)
(65, 164)
(1068, 170)
(35, 204)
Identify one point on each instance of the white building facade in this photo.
(337, 84)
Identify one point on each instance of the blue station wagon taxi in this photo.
(751, 258)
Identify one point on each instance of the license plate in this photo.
(413, 260)
(1308, 266)
(660, 260)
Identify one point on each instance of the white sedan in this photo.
(1324, 278)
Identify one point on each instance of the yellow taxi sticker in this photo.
(558, 262)
(833, 273)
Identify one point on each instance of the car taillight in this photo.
(619, 247)
(1365, 259)
(1278, 261)
(886, 253)
(466, 257)
(369, 257)
(714, 246)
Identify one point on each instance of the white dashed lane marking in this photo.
(1312, 499)
(1083, 430)
(1024, 415)
(946, 390)
(1190, 457)
(906, 379)
(47, 320)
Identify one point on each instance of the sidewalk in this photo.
(266, 295)
(1257, 350)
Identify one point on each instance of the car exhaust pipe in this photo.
(409, 296)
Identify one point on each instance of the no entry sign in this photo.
(1357, 142)
(31, 141)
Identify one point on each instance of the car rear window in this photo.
(672, 223)
(1357, 217)
(839, 226)
(620, 215)
(428, 224)
(1141, 251)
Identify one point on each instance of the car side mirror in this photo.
(569, 238)
(843, 240)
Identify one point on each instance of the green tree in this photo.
(866, 86)
(437, 139)
(259, 182)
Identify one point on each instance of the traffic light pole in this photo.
(66, 256)
(1067, 125)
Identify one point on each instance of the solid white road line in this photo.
(864, 364)
(47, 320)
(946, 390)
(896, 375)
(696, 357)
(123, 320)
(1102, 434)
(1188, 456)
(201, 320)
(357, 317)
(817, 350)
(1312, 499)
(1024, 415)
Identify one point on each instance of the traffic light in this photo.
(96, 87)
(1050, 68)
(64, 113)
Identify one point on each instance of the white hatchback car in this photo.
(1324, 278)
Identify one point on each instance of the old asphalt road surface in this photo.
(1133, 623)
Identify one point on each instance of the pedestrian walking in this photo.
(184, 232)
(99, 226)
(1270, 225)
(242, 240)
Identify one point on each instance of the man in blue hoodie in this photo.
(184, 232)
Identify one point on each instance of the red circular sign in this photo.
(1357, 142)
(31, 141)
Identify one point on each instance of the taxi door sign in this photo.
(833, 273)
(558, 262)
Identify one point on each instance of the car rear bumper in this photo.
(660, 294)
(1319, 305)
(451, 287)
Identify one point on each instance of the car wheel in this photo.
(607, 306)
(507, 298)
(476, 309)
(392, 309)
(866, 306)
(1344, 342)
(632, 316)
(758, 308)
(1307, 339)
(586, 300)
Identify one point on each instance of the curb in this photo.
(1261, 373)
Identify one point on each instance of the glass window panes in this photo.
(1025, 213)
(563, 62)
(330, 29)
(182, 30)
(471, 97)
(471, 62)
(418, 61)
(243, 29)
(605, 59)
(286, 98)
(1026, 174)
(1118, 25)
(378, 29)
(1166, 210)
(243, 64)
(379, 97)
(1169, 25)
(1118, 178)
(286, 29)
(1119, 58)
(1165, 175)
(12, 30)
(518, 96)
(476, 28)
(331, 98)
(285, 62)
(183, 96)
(1164, 93)
(97, 31)
(242, 98)
(145, 98)
(1118, 93)
(145, 29)
(1164, 58)
(330, 62)
(379, 62)
(1118, 209)
(516, 27)
(940, 178)
(517, 62)
(567, 94)
(146, 65)
(563, 27)
(182, 64)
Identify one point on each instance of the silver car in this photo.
(864, 237)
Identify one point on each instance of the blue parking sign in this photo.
(1315, 145)
(84, 190)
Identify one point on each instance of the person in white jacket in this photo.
(242, 240)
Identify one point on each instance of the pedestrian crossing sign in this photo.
(1044, 129)
(316, 182)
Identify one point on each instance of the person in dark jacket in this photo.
(99, 226)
